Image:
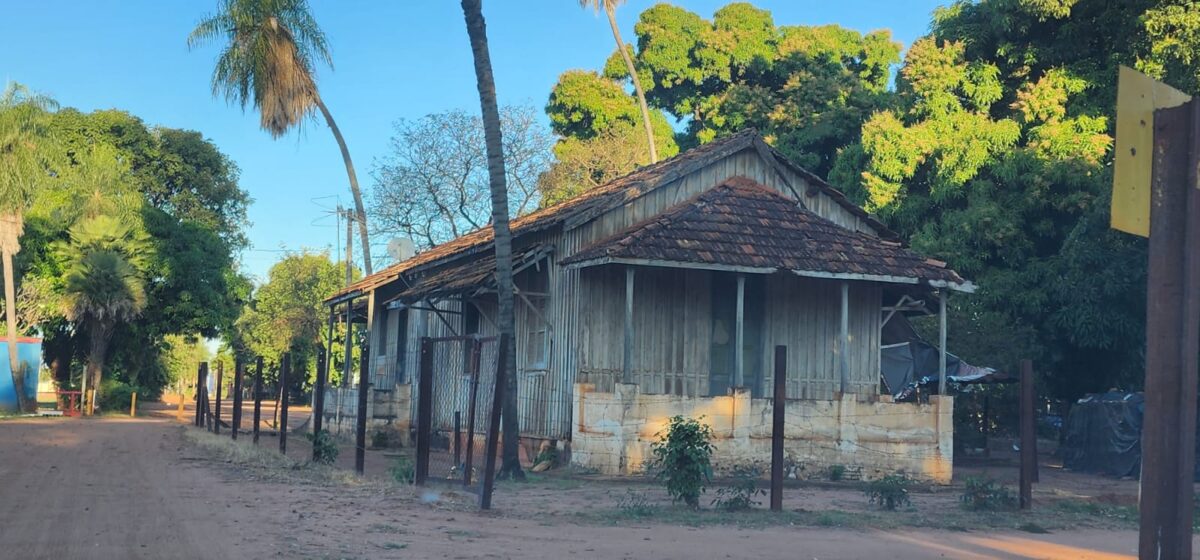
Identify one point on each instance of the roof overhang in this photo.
(965, 287)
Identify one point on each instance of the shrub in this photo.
(682, 459)
(403, 471)
(325, 449)
(890, 491)
(114, 396)
(987, 494)
(741, 495)
(380, 439)
(836, 472)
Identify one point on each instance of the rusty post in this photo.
(284, 372)
(258, 367)
(1172, 337)
(471, 406)
(360, 426)
(493, 435)
(217, 401)
(318, 411)
(778, 406)
(197, 420)
(1028, 448)
(239, 369)
(457, 438)
(424, 411)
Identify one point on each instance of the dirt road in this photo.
(126, 488)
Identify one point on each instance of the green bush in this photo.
(987, 494)
(836, 472)
(741, 495)
(325, 449)
(380, 439)
(890, 491)
(403, 470)
(682, 459)
(114, 396)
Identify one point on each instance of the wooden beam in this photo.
(739, 358)
(844, 340)
(433, 307)
(941, 342)
(627, 363)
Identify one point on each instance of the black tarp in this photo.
(1104, 435)
(906, 361)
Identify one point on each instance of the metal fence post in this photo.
(197, 419)
(360, 427)
(1028, 447)
(217, 401)
(778, 406)
(471, 406)
(239, 369)
(493, 436)
(424, 411)
(284, 372)
(258, 366)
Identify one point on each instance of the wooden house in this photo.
(674, 284)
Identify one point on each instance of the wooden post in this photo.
(258, 367)
(360, 427)
(627, 363)
(1172, 337)
(217, 401)
(179, 413)
(133, 404)
(319, 390)
(778, 406)
(349, 347)
(457, 438)
(1028, 448)
(493, 435)
(197, 420)
(739, 351)
(424, 411)
(239, 370)
(942, 341)
(844, 340)
(471, 406)
(285, 367)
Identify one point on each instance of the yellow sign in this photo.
(1138, 95)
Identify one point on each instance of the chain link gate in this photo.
(456, 396)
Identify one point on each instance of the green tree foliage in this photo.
(996, 155)
(287, 313)
(601, 135)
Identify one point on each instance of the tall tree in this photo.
(477, 33)
(268, 61)
(103, 285)
(433, 186)
(26, 151)
(609, 7)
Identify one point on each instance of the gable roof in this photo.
(594, 202)
(742, 225)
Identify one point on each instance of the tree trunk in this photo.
(359, 210)
(477, 32)
(10, 317)
(98, 335)
(637, 84)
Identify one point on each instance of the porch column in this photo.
(844, 339)
(942, 341)
(739, 358)
(627, 365)
(349, 346)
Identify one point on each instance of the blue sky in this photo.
(392, 59)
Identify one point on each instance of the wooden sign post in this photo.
(1171, 192)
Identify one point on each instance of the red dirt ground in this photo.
(136, 488)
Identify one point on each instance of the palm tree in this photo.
(102, 285)
(477, 32)
(610, 9)
(25, 153)
(267, 61)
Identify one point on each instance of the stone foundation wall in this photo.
(612, 433)
(386, 410)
